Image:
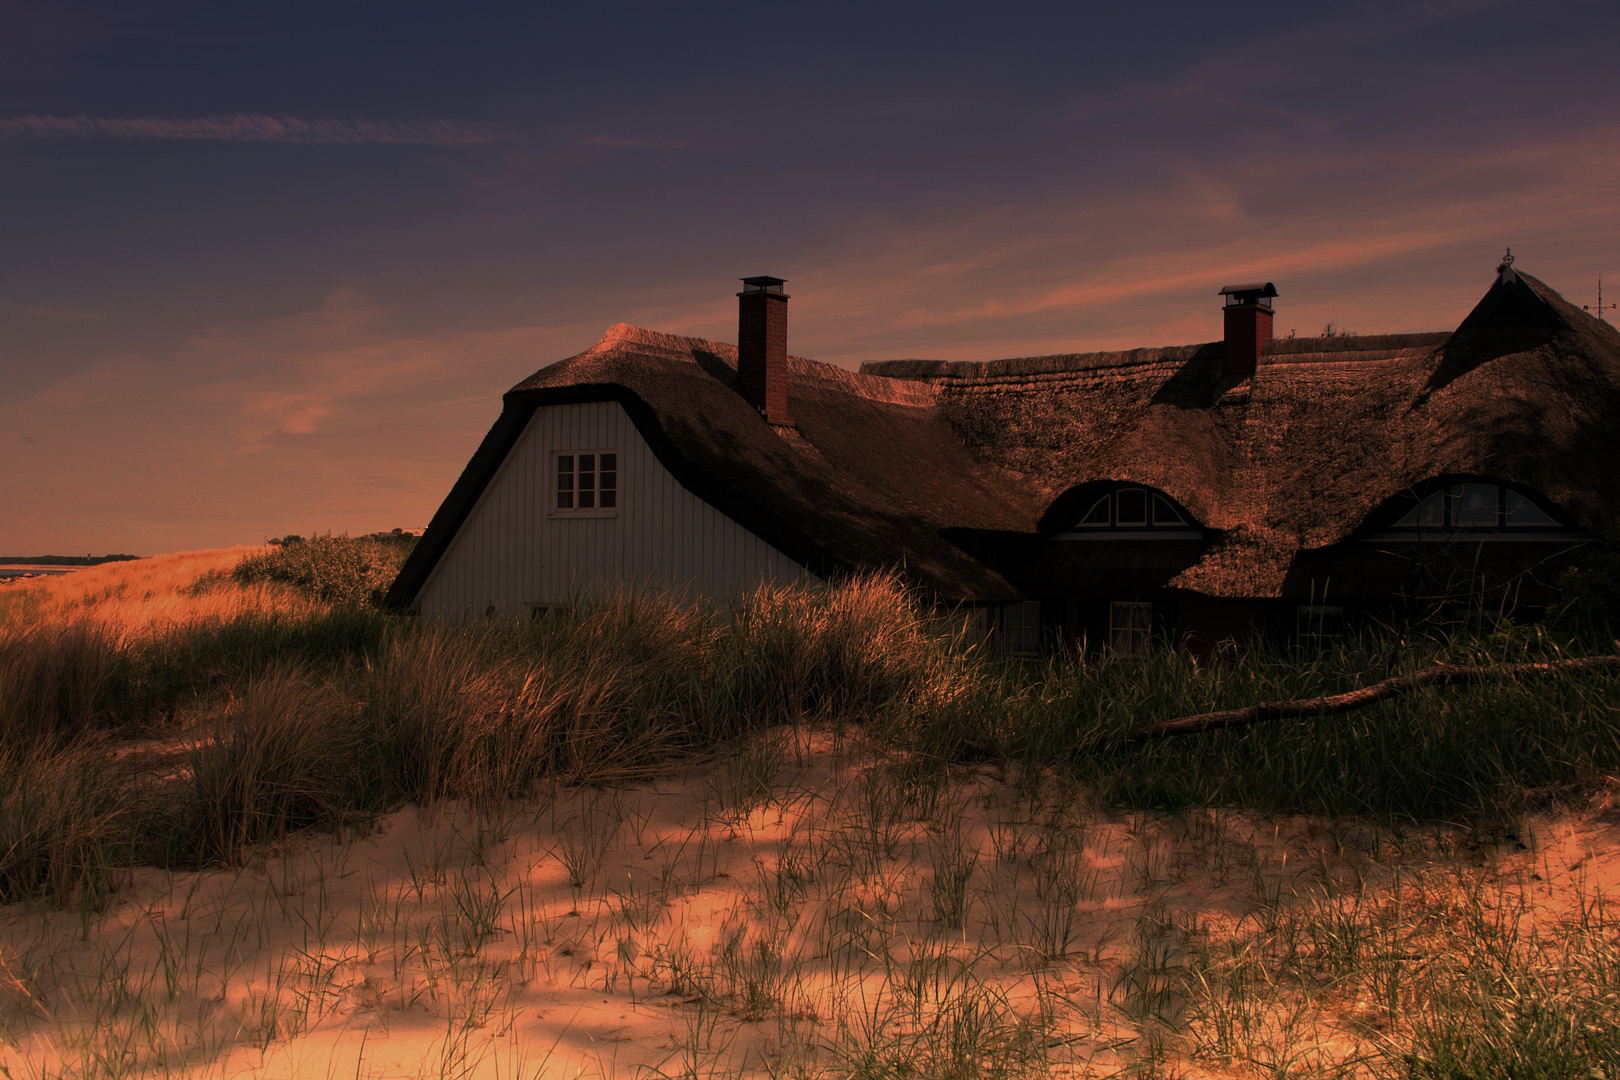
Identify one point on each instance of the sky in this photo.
(268, 268)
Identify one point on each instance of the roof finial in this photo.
(1504, 273)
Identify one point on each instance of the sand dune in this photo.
(797, 908)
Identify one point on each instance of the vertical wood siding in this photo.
(511, 553)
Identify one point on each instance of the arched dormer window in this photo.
(1479, 507)
(1110, 509)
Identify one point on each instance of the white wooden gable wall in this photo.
(512, 552)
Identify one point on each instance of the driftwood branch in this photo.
(1439, 675)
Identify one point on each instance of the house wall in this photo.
(511, 552)
(1207, 621)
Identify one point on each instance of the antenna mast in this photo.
(1600, 307)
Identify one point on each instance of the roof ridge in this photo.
(874, 387)
(1022, 367)
(867, 386)
(626, 334)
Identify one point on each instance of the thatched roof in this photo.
(1289, 461)
(1526, 389)
(871, 475)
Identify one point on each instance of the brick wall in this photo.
(1248, 328)
(762, 353)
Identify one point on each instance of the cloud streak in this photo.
(245, 127)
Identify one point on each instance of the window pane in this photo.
(1428, 514)
(1318, 622)
(1475, 505)
(1521, 511)
(565, 481)
(1130, 627)
(1021, 627)
(587, 481)
(1132, 506)
(1164, 513)
(1098, 514)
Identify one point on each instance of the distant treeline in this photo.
(396, 536)
(63, 560)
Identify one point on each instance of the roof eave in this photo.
(519, 406)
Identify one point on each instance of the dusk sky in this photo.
(268, 268)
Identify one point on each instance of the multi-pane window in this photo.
(1130, 627)
(1021, 628)
(1130, 508)
(1475, 506)
(587, 482)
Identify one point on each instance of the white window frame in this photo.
(1147, 508)
(1021, 628)
(1128, 635)
(554, 486)
(1159, 516)
(1442, 511)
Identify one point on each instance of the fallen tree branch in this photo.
(1439, 675)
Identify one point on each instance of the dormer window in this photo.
(1132, 508)
(1475, 506)
(1118, 510)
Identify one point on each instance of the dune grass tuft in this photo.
(67, 826)
(286, 753)
(277, 696)
(914, 855)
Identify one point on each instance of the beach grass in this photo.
(826, 832)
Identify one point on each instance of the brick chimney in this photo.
(1248, 328)
(762, 347)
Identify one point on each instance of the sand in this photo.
(783, 911)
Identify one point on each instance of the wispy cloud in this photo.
(245, 127)
(63, 314)
(634, 142)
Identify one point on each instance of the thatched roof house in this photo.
(1200, 490)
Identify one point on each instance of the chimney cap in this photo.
(763, 283)
(1258, 290)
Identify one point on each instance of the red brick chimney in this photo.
(1248, 328)
(762, 347)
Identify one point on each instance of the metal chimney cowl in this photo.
(1248, 317)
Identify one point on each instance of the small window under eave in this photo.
(1131, 508)
(1521, 512)
(1099, 516)
(1164, 513)
(1476, 508)
(1138, 511)
(1428, 514)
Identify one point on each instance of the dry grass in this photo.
(147, 593)
(804, 909)
(641, 841)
